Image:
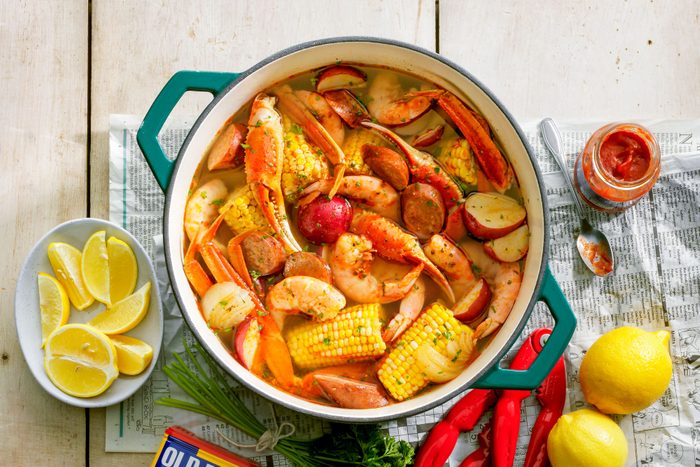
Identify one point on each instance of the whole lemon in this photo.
(626, 370)
(586, 438)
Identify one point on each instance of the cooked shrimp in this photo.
(263, 166)
(409, 309)
(395, 244)
(452, 261)
(203, 206)
(390, 105)
(374, 193)
(330, 120)
(308, 295)
(351, 263)
(504, 280)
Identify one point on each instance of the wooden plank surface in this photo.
(592, 59)
(138, 45)
(596, 59)
(43, 135)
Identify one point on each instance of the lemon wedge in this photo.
(124, 315)
(133, 355)
(95, 267)
(53, 304)
(123, 270)
(80, 360)
(66, 263)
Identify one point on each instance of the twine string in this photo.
(269, 439)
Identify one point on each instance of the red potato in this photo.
(324, 219)
(422, 210)
(227, 152)
(473, 303)
(428, 137)
(388, 164)
(454, 224)
(348, 107)
(246, 340)
(492, 215)
(340, 77)
(509, 248)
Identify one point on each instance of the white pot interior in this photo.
(369, 53)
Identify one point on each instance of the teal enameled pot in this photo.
(233, 90)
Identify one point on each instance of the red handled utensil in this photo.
(505, 424)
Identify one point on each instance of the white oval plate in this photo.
(28, 319)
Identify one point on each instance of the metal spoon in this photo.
(592, 244)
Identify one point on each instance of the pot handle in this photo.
(174, 89)
(552, 296)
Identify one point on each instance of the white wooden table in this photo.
(65, 65)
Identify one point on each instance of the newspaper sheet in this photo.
(656, 285)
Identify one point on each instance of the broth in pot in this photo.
(355, 234)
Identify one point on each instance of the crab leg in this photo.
(290, 104)
(263, 165)
(424, 167)
(488, 155)
(193, 269)
(198, 277)
(235, 254)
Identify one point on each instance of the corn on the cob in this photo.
(242, 213)
(352, 148)
(353, 335)
(304, 163)
(400, 373)
(456, 157)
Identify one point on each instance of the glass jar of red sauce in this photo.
(618, 166)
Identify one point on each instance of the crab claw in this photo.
(263, 165)
(393, 243)
(350, 393)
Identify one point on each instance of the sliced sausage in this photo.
(350, 393)
(263, 253)
(388, 164)
(303, 263)
(227, 152)
(423, 210)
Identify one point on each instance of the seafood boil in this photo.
(355, 234)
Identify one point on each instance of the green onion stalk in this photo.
(213, 397)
